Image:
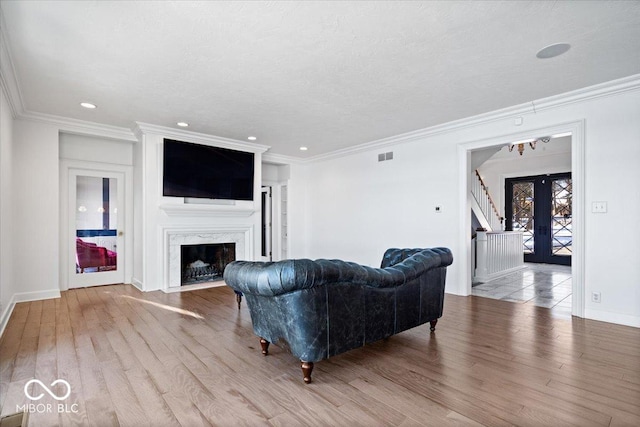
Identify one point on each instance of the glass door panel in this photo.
(561, 193)
(96, 224)
(522, 218)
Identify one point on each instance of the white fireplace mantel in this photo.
(176, 209)
(175, 237)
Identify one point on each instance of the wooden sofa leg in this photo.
(265, 346)
(433, 325)
(307, 367)
(239, 300)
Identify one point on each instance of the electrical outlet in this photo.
(599, 207)
(595, 297)
(438, 209)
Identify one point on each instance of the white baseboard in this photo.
(24, 297)
(6, 314)
(138, 284)
(37, 295)
(488, 277)
(609, 317)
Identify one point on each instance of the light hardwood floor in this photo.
(137, 359)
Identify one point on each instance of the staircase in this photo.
(483, 206)
(494, 252)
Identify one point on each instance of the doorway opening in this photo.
(567, 230)
(266, 252)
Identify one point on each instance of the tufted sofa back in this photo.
(317, 309)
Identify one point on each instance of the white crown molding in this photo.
(8, 80)
(140, 129)
(81, 127)
(281, 159)
(613, 87)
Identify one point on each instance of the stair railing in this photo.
(487, 206)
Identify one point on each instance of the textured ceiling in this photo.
(327, 75)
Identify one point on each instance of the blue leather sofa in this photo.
(318, 309)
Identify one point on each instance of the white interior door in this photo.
(96, 217)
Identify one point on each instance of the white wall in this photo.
(36, 210)
(96, 149)
(6, 209)
(357, 207)
(269, 173)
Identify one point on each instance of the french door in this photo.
(96, 213)
(540, 207)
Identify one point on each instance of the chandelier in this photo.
(532, 143)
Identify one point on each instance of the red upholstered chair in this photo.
(90, 255)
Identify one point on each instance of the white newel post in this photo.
(481, 254)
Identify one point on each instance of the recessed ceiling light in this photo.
(88, 105)
(553, 50)
(251, 138)
(303, 148)
(183, 124)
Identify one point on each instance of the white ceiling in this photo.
(327, 75)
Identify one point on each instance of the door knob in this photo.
(120, 233)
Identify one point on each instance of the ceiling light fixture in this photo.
(88, 105)
(251, 138)
(303, 148)
(553, 50)
(183, 124)
(532, 143)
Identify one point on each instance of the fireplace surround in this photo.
(239, 237)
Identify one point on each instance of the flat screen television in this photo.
(206, 172)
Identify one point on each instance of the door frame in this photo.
(266, 216)
(577, 130)
(277, 219)
(127, 219)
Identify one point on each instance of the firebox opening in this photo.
(205, 262)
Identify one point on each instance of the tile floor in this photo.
(542, 285)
